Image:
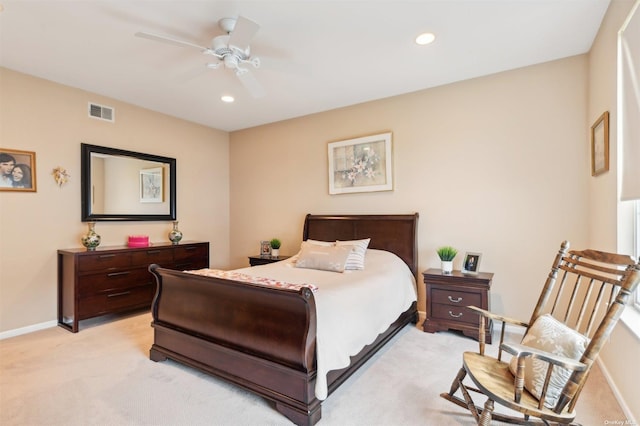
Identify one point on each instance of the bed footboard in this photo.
(260, 338)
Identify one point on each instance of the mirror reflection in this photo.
(126, 185)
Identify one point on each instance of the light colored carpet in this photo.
(103, 376)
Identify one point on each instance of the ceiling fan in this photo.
(231, 50)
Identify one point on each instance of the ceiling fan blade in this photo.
(170, 40)
(250, 82)
(243, 32)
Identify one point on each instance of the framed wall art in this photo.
(471, 263)
(151, 185)
(600, 145)
(362, 164)
(17, 170)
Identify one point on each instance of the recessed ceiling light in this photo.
(227, 98)
(425, 38)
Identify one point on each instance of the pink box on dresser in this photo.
(138, 241)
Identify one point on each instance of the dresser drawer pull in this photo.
(458, 300)
(451, 314)
(153, 251)
(117, 274)
(124, 293)
(106, 256)
(190, 248)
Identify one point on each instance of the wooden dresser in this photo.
(448, 295)
(117, 279)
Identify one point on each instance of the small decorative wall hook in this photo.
(60, 175)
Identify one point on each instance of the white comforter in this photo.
(353, 307)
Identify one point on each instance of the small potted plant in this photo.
(275, 247)
(446, 255)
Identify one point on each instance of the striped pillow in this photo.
(355, 261)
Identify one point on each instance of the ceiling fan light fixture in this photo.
(425, 38)
(227, 98)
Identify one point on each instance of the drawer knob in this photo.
(118, 274)
(451, 314)
(458, 300)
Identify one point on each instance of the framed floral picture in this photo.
(600, 145)
(362, 164)
(17, 170)
(151, 185)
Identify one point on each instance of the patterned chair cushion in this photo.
(549, 335)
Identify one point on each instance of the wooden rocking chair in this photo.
(581, 302)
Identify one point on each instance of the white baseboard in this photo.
(625, 408)
(28, 329)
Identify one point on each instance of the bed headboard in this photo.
(396, 233)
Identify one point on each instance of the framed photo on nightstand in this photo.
(265, 249)
(471, 263)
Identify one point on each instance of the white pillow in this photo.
(331, 258)
(356, 258)
(550, 335)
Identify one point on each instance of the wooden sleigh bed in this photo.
(234, 330)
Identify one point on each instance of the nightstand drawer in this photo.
(455, 313)
(455, 298)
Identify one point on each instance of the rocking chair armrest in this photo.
(498, 317)
(559, 360)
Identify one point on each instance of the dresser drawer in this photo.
(103, 261)
(131, 298)
(454, 313)
(113, 281)
(146, 257)
(191, 257)
(455, 297)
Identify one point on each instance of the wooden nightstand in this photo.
(448, 295)
(263, 260)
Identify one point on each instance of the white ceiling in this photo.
(316, 55)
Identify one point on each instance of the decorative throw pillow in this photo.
(294, 258)
(550, 335)
(319, 243)
(325, 258)
(356, 258)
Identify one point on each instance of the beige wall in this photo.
(497, 165)
(610, 222)
(52, 120)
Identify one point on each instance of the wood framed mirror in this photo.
(125, 185)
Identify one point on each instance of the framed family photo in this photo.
(17, 170)
(600, 145)
(151, 185)
(471, 263)
(362, 164)
(265, 249)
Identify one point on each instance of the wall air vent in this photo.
(101, 112)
